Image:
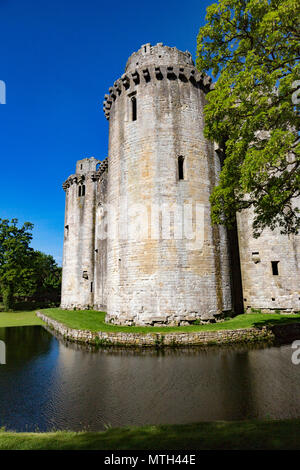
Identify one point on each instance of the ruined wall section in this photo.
(101, 232)
(155, 280)
(270, 267)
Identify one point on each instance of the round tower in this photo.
(165, 261)
(78, 284)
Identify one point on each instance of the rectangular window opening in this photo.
(133, 108)
(180, 168)
(275, 270)
(81, 190)
(91, 286)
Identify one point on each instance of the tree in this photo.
(48, 278)
(44, 284)
(25, 272)
(16, 257)
(252, 47)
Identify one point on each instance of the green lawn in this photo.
(215, 435)
(94, 321)
(19, 319)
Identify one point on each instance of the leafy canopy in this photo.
(24, 271)
(252, 47)
(16, 256)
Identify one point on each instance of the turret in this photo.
(78, 285)
(165, 261)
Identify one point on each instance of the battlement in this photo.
(86, 168)
(158, 55)
(144, 74)
(87, 164)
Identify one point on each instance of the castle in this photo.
(138, 239)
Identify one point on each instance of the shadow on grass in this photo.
(276, 321)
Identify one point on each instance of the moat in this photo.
(50, 384)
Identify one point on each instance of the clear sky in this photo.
(58, 58)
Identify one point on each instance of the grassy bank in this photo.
(19, 319)
(94, 321)
(216, 435)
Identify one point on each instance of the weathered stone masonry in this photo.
(158, 157)
(200, 338)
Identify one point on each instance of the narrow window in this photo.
(275, 268)
(133, 108)
(83, 190)
(81, 166)
(91, 287)
(180, 168)
(85, 275)
(79, 190)
(66, 230)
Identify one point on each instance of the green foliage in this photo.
(25, 272)
(44, 284)
(159, 341)
(16, 257)
(252, 46)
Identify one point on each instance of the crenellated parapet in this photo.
(73, 179)
(102, 167)
(80, 178)
(151, 64)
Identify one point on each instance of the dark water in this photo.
(49, 384)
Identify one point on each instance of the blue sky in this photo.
(58, 58)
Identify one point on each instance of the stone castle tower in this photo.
(138, 242)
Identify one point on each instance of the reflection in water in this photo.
(50, 384)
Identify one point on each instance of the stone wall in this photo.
(262, 289)
(123, 252)
(154, 278)
(80, 262)
(100, 269)
(201, 338)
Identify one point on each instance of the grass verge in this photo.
(95, 321)
(215, 435)
(19, 319)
